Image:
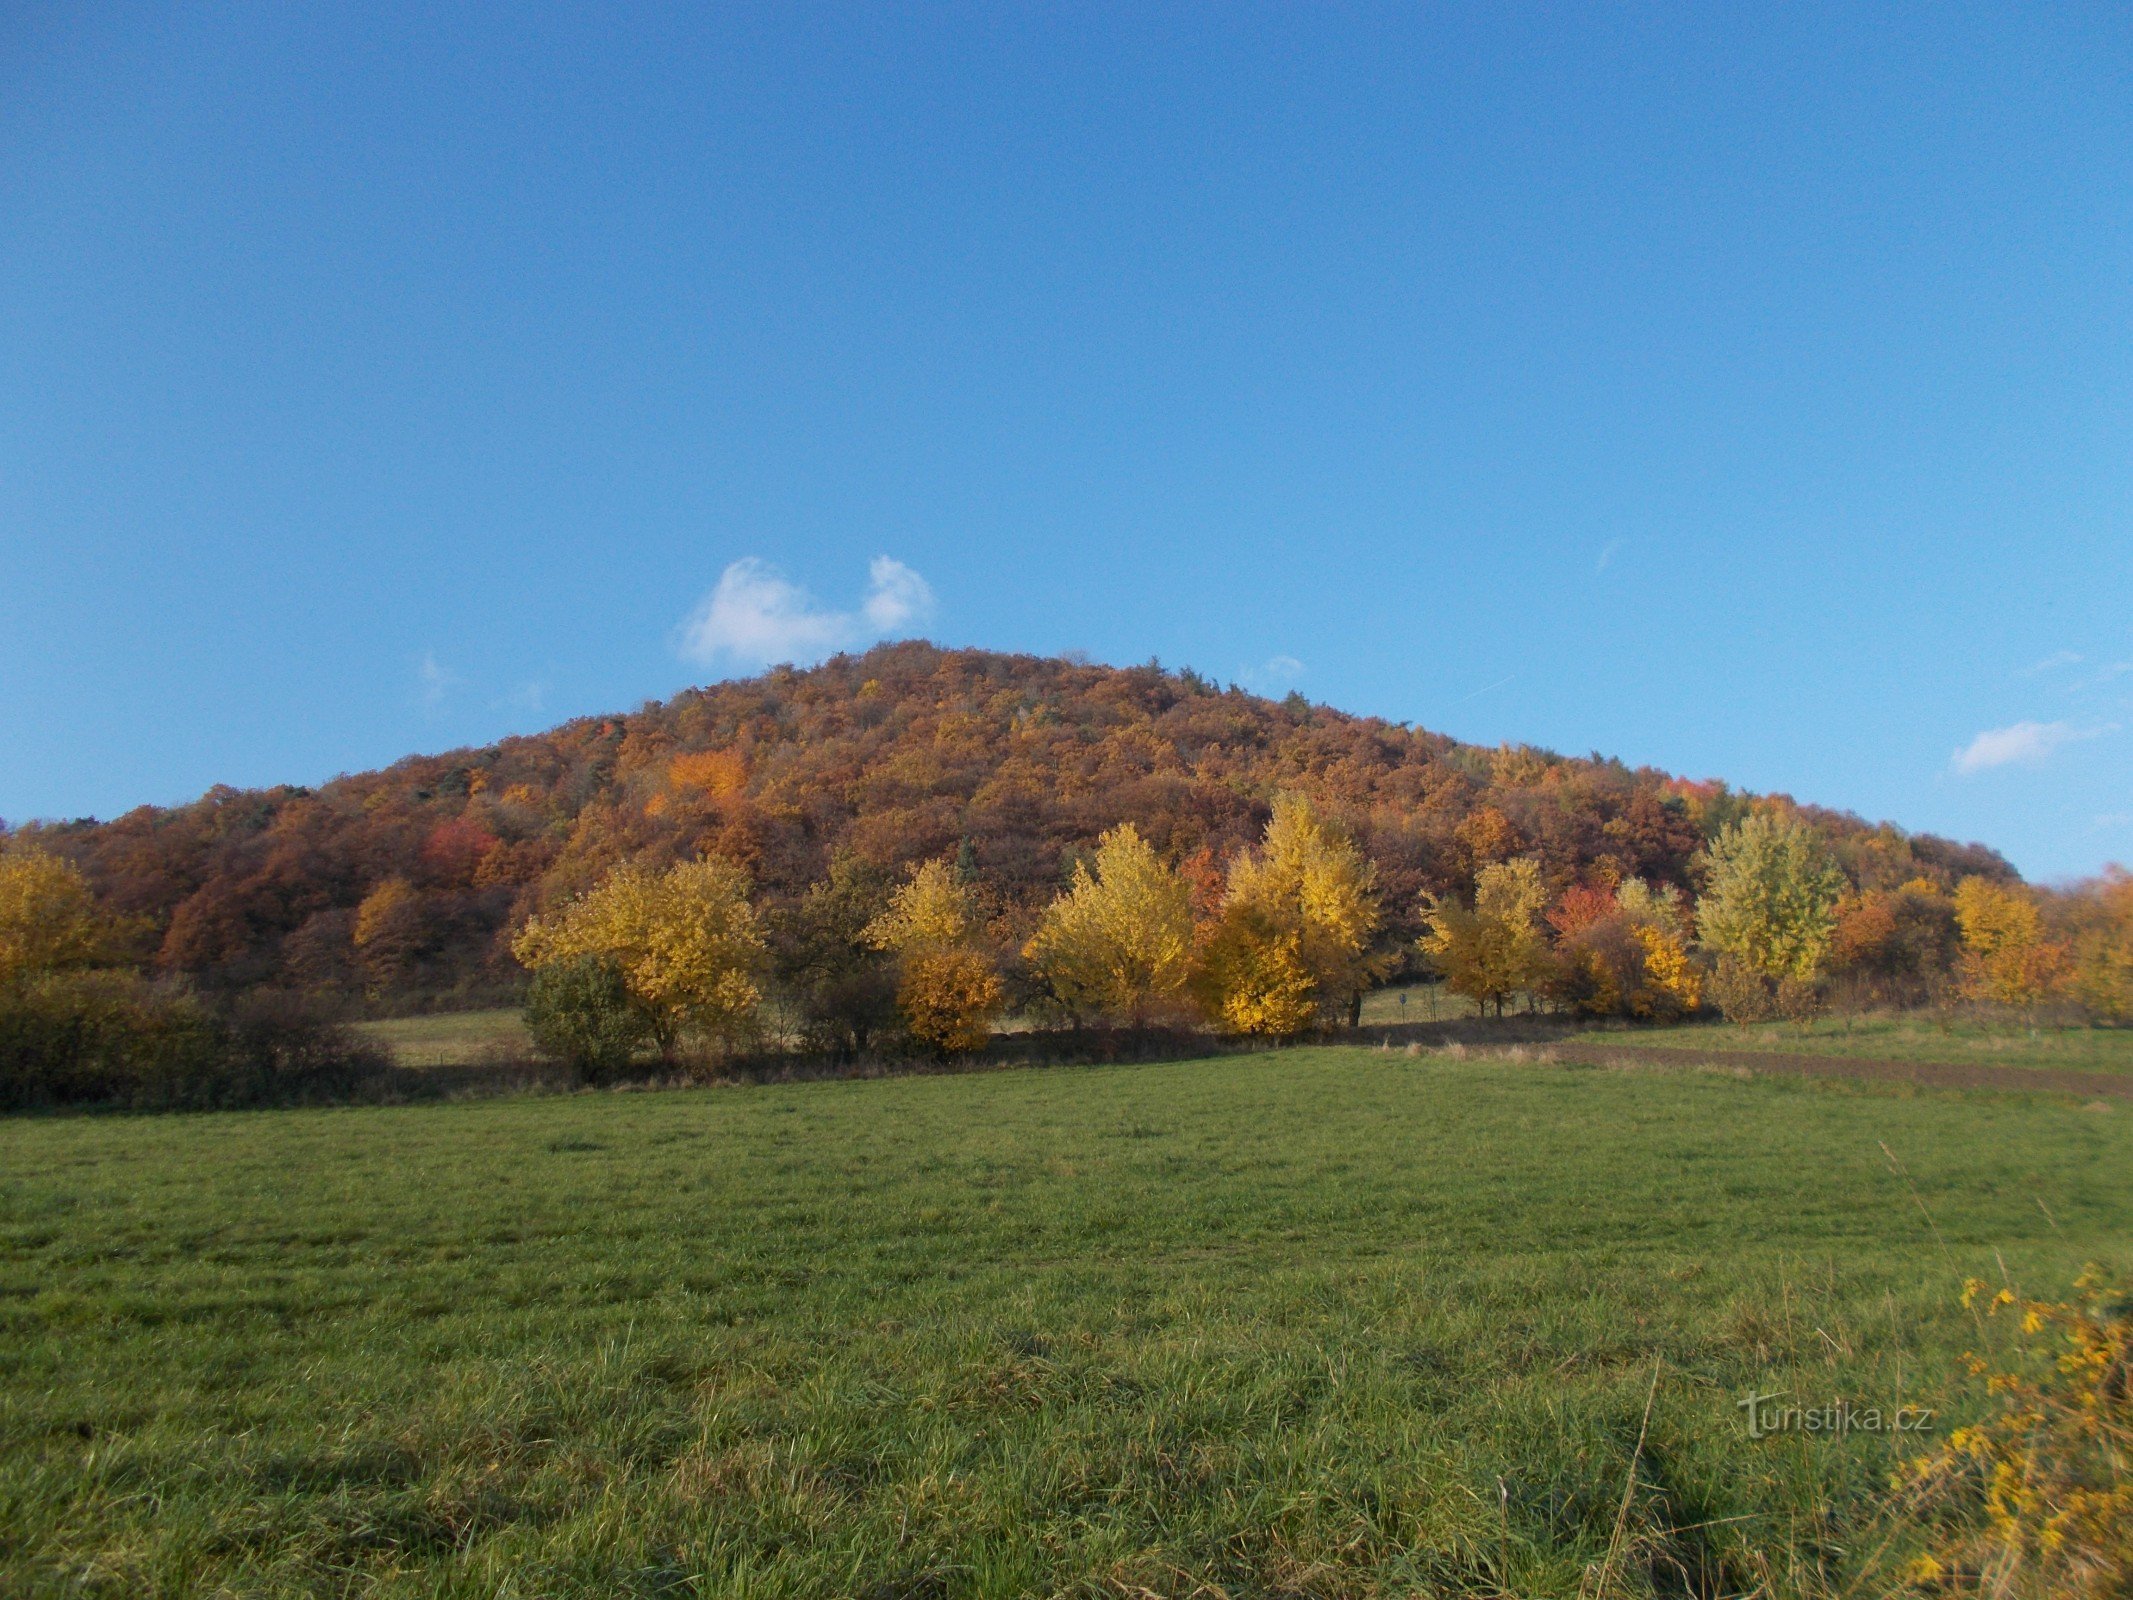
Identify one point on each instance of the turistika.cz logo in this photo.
(1768, 1414)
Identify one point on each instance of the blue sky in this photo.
(1745, 391)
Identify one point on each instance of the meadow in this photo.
(451, 1038)
(1911, 1036)
(1326, 1321)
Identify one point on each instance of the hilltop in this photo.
(1010, 764)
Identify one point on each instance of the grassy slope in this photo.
(1914, 1037)
(1331, 1319)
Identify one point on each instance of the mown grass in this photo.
(1914, 1036)
(1327, 1321)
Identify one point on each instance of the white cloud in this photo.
(1276, 672)
(1608, 551)
(756, 618)
(896, 596)
(2026, 742)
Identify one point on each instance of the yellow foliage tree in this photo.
(929, 911)
(1656, 922)
(49, 919)
(1119, 942)
(947, 990)
(1305, 902)
(1496, 949)
(2007, 957)
(2103, 946)
(1254, 979)
(1487, 834)
(1668, 970)
(949, 998)
(685, 940)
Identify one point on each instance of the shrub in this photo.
(580, 1012)
(274, 1048)
(1743, 994)
(109, 1038)
(1798, 999)
(2037, 1498)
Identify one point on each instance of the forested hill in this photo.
(406, 882)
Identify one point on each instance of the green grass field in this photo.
(450, 1038)
(1414, 1002)
(1308, 1322)
(1913, 1037)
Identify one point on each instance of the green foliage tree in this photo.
(580, 1011)
(1771, 896)
(842, 988)
(1119, 943)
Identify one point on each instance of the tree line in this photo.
(1285, 938)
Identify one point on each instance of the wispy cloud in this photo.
(1608, 552)
(755, 617)
(2025, 743)
(433, 682)
(2110, 672)
(531, 695)
(1276, 672)
(2053, 662)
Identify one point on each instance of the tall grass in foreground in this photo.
(1325, 1322)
